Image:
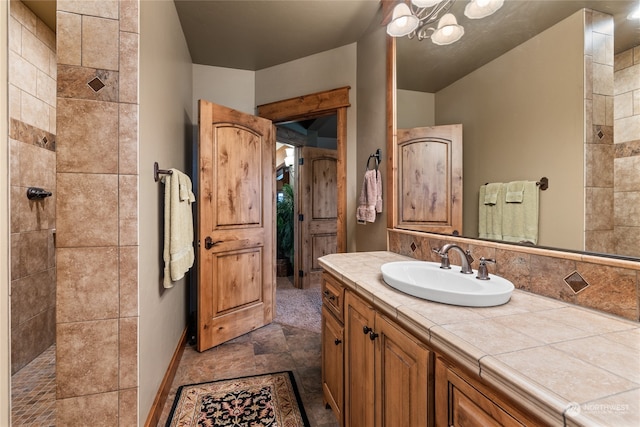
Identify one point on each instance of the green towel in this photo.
(515, 192)
(490, 215)
(491, 193)
(520, 220)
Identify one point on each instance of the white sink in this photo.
(427, 280)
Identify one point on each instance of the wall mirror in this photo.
(530, 56)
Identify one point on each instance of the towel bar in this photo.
(543, 183)
(157, 172)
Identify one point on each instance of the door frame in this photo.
(319, 104)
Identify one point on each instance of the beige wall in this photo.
(32, 121)
(165, 137)
(523, 119)
(225, 86)
(372, 129)
(323, 71)
(5, 366)
(415, 109)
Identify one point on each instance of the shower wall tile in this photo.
(23, 15)
(36, 167)
(604, 240)
(69, 38)
(129, 11)
(129, 67)
(86, 358)
(32, 295)
(46, 35)
(73, 83)
(128, 407)
(102, 408)
(31, 338)
(128, 210)
(87, 207)
(35, 51)
(599, 204)
(128, 361)
(87, 284)
(627, 128)
(128, 281)
(602, 79)
(29, 253)
(15, 35)
(34, 111)
(627, 177)
(91, 144)
(22, 74)
(627, 239)
(128, 139)
(627, 208)
(98, 47)
(14, 102)
(102, 8)
(598, 171)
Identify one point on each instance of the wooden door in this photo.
(359, 407)
(317, 212)
(403, 390)
(236, 211)
(429, 181)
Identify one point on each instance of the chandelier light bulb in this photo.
(448, 31)
(477, 9)
(403, 22)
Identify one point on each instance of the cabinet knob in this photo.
(373, 335)
(337, 341)
(366, 330)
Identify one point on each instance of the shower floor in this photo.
(33, 392)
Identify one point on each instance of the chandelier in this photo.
(417, 19)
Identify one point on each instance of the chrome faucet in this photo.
(465, 259)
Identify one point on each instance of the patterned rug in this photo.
(262, 400)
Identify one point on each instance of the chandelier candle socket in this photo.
(418, 18)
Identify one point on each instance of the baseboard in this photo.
(165, 386)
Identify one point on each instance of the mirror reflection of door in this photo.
(312, 175)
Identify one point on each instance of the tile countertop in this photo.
(567, 364)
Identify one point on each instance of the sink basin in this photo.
(428, 281)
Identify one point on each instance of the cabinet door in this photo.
(403, 394)
(332, 363)
(461, 404)
(359, 360)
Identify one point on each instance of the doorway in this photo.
(290, 113)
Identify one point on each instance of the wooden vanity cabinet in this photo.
(461, 401)
(387, 372)
(333, 346)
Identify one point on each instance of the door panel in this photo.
(236, 211)
(430, 179)
(317, 203)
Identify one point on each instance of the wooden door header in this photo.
(306, 106)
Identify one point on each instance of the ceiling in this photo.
(256, 34)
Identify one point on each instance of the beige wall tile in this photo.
(627, 173)
(636, 102)
(22, 13)
(73, 82)
(627, 129)
(46, 88)
(100, 47)
(129, 407)
(29, 253)
(14, 102)
(128, 352)
(128, 281)
(89, 144)
(627, 212)
(602, 23)
(599, 165)
(129, 16)
(69, 38)
(623, 60)
(600, 241)
(128, 210)
(46, 35)
(129, 67)
(35, 51)
(37, 167)
(623, 105)
(53, 65)
(103, 8)
(53, 120)
(588, 77)
(34, 111)
(599, 204)
(87, 207)
(30, 215)
(22, 74)
(103, 408)
(603, 79)
(87, 284)
(627, 239)
(15, 35)
(128, 140)
(599, 109)
(97, 342)
(627, 79)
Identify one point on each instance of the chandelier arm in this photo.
(429, 15)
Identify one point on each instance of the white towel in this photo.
(178, 251)
(370, 197)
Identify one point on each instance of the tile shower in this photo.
(32, 139)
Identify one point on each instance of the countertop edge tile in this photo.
(455, 348)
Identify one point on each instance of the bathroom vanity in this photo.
(391, 359)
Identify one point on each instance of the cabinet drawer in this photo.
(333, 295)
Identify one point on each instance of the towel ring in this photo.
(376, 157)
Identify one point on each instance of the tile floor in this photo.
(33, 392)
(280, 346)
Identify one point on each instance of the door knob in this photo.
(209, 243)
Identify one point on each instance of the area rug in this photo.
(261, 400)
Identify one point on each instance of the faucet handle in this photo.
(483, 272)
(436, 250)
(444, 259)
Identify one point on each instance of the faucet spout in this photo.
(465, 257)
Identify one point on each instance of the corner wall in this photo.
(166, 130)
(224, 86)
(323, 71)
